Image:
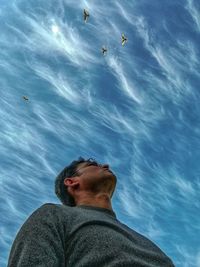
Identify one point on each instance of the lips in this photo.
(108, 171)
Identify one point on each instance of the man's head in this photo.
(84, 175)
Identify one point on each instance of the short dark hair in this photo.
(60, 188)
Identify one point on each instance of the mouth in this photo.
(108, 171)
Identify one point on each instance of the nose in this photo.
(106, 166)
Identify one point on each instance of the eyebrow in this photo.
(88, 163)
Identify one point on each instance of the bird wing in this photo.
(85, 14)
(124, 39)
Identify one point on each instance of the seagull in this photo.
(124, 39)
(85, 15)
(104, 50)
(25, 98)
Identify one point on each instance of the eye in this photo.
(92, 164)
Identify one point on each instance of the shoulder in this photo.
(52, 207)
(49, 207)
(50, 211)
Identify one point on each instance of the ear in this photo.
(71, 182)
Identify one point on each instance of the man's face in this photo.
(95, 177)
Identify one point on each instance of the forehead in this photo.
(85, 164)
(82, 164)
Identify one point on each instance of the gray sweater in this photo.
(83, 236)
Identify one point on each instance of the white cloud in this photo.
(192, 9)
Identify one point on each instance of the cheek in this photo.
(88, 179)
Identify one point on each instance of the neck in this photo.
(101, 200)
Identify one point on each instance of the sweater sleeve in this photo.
(40, 241)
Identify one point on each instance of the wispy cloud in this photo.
(194, 12)
(124, 83)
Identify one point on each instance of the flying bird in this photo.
(25, 98)
(85, 15)
(124, 39)
(104, 50)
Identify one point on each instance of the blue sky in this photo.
(135, 108)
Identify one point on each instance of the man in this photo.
(84, 231)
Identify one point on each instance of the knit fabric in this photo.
(83, 236)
